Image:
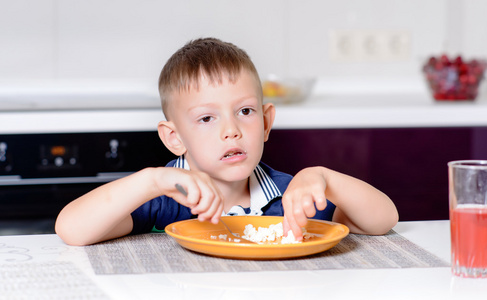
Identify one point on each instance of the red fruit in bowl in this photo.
(472, 79)
(445, 61)
(463, 68)
(458, 61)
(432, 61)
(454, 79)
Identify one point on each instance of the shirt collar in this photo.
(262, 190)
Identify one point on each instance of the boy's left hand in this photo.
(305, 191)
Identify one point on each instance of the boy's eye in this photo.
(205, 119)
(246, 111)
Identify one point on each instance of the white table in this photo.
(412, 283)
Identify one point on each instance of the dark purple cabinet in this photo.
(408, 164)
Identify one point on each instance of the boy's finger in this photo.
(293, 226)
(216, 210)
(308, 207)
(210, 202)
(289, 207)
(297, 232)
(204, 202)
(299, 216)
(285, 225)
(193, 198)
(208, 208)
(321, 202)
(192, 193)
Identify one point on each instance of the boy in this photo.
(217, 124)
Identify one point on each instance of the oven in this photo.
(41, 173)
(57, 147)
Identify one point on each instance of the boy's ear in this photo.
(170, 138)
(269, 111)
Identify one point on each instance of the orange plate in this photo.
(195, 235)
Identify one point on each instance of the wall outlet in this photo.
(369, 45)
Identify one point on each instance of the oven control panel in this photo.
(78, 155)
(58, 156)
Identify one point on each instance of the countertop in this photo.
(402, 283)
(103, 109)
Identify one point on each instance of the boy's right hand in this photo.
(303, 196)
(203, 196)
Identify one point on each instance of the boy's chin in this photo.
(234, 175)
(236, 178)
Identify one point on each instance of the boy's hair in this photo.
(206, 56)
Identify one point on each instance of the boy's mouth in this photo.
(233, 153)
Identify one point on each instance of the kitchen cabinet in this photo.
(408, 164)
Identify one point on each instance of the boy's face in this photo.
(223, 127)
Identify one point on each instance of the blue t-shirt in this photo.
(266, 188)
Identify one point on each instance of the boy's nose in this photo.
(230, 131)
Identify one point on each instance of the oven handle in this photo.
(11, 180)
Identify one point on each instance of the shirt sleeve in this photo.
(157, 213)
(327, 213)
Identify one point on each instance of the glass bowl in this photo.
(454, 79)
(286, 90)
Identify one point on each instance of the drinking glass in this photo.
(468, 217)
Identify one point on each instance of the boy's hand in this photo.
(305, 190)
(203, 196)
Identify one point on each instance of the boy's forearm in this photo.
(360, 206)
(104, 213)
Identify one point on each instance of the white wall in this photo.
(129, 40)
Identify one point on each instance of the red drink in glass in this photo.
(469, 240)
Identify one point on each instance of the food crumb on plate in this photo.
(274, 234)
